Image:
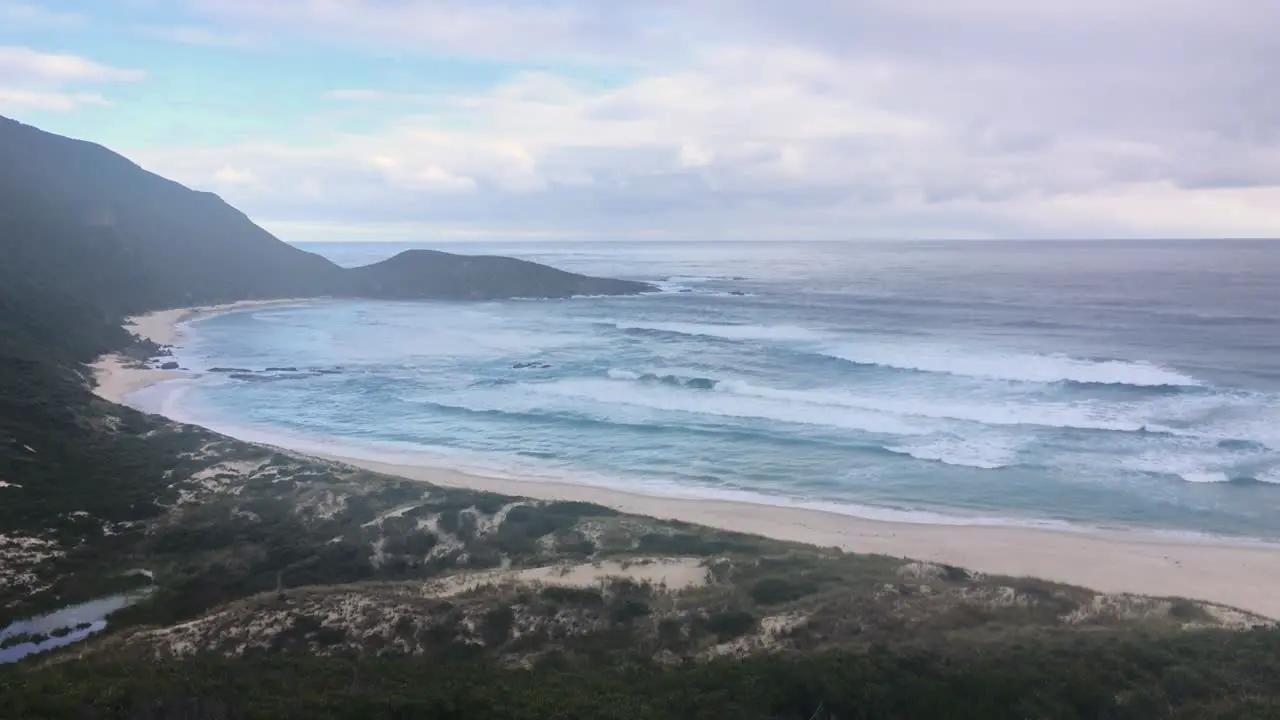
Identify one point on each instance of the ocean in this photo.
(1094, 384)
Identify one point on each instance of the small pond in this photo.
(62, 627)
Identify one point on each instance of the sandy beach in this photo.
(118, 376)
(1243, 574)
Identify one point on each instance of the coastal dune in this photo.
(1235, 572)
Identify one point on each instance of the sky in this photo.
(677, 119)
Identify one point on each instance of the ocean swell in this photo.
(1044, 369)
(1124, 418)
(768, 333)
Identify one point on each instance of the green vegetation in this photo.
(1209, 675)
(558, 595)
(730, 624)
(774, 591)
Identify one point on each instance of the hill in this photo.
(88, 223)
(431, 274)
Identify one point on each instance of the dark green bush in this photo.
(731, 624)
(496, 625)
(774, 591)
(562, 595)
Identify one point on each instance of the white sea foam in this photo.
(1022, 367)
(1205, 477)
(1191, 463)
(775, 333)
(1011, 366)
(600, 395)
(691, 279)
(995, 411)
(987, 452)
(990, 409)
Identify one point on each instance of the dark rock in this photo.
(736, 292)
(281, 369)
(169, 366)
(262, 378)
(229, 370)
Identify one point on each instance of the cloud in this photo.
(24, 66)
(370, 96)
(11, 100)
(357, 95)
(33, 81)
(489, 27)
(19, 13)
(36, 81)
(197, 35)
(228, 175)
(785, 143)
(755, 118)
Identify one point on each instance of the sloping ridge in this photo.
(79, 220)
(435, 274)
(88, 222)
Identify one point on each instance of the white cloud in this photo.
(24, 66)
(36, 81)
(371, 95)
(501, 27)
(12, 100)
(197, 35)
(755, 118)
(228, 175)
(20, 13)
(785, 143)
(357, 95)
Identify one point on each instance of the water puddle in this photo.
(62, 627)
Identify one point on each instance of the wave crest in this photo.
(694, 383)
(768, 333)
(1045, 369)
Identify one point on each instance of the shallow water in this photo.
(1094, 383)
(92, 613)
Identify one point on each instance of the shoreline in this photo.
(118, 376)
(1243, 574)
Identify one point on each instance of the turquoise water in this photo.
(1089, 383)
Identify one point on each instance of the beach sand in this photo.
(1240, 573)
(119, 376)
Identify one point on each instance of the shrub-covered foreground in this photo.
(1197, 675)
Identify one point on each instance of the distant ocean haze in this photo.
(1117, 384)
